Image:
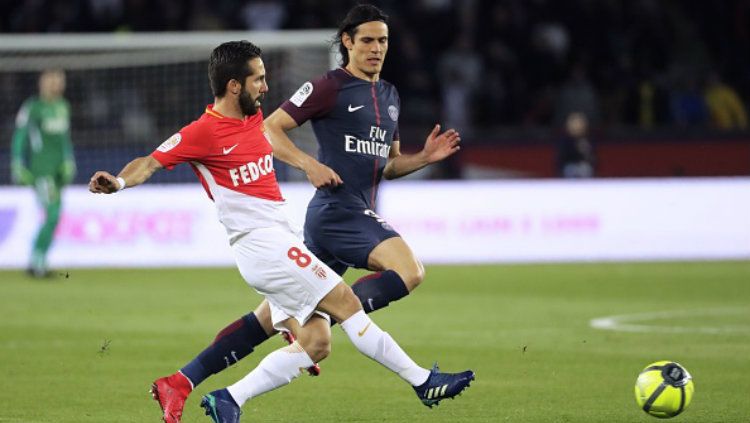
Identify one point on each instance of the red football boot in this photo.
(171, 392)
(313, 370)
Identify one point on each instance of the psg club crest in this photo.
(393, 112)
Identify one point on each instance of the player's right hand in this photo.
(322, 176)
(103, 183)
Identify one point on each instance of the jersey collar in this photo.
(210, 110)
(351, 75)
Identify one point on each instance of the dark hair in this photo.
(229, 61)
(358, 15)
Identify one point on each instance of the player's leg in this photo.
(231, 344)
(398, 273)
(296, 283)
(313, 370)
(396, 255)
(342, 305)
(48, 195)
(276, 263)
(284, 365)
(362, 239)
(321, 231)
(277, 369)
(431, 386)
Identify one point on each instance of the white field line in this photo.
(632, 322)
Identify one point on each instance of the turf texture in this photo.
(85, 346)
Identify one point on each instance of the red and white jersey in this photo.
(234, 161)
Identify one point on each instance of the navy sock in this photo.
(231, 345)
(377, 290)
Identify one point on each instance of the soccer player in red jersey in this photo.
(229, 151)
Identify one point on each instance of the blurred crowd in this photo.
(480, 63)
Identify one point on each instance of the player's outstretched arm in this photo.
(437, 147)
(277, 125)
(134, 173)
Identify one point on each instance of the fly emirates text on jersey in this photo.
(375, 146)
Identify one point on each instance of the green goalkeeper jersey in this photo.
(41, 141)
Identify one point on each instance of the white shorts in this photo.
(276, 263)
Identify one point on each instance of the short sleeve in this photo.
(313, 99)
(189, 144)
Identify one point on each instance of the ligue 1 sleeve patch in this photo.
(302, 93)
(170, 143)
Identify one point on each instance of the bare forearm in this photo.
(139, 170)
(285, 150)
(134, 173)
(404, 164)
(277, 126)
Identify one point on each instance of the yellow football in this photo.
(664, 389)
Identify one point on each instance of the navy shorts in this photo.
(343, 237)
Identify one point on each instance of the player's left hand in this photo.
(439, 146)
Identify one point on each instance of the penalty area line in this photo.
(635, 322)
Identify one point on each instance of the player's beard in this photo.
(248, 104)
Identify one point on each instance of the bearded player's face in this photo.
(254, 89)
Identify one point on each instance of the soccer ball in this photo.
(664, 389)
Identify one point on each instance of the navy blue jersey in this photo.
(355, 122)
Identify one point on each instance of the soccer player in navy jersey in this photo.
(354, 114)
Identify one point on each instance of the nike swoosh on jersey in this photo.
(354, 109)
(228, 150)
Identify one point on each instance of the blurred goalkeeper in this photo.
(42, 157)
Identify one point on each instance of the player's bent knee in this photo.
(349, 302)
(340, 303)
(413, 277)
(317, 345)
(263, 316)
(319, 350)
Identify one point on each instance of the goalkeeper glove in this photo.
(68, 171)
(20, 174)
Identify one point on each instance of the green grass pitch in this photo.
(85, 348)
